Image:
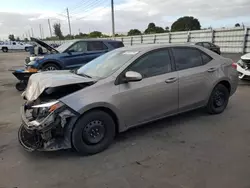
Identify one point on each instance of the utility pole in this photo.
(40, 27)
(113, 18)
(50, 28)
(42, 33)
(29, 33)
(68, 21)
(32, 32)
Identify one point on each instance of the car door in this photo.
(156, 95)
(195, 76)
(95, 49)
(14, 46)
(76, 55)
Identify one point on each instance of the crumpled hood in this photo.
(246, 57)
(38, 82)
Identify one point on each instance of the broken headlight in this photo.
(48, 107)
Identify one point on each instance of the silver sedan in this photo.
(85, 108)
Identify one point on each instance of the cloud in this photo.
(129, 14)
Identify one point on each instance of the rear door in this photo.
(76, 55)
(95, 49)
(196, 75)
(156, 95)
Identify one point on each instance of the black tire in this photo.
(26, 49)
(5, 49)
(218, 99)
(20, 86)
(83, 140)
(50, 67)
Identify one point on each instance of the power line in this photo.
(89, 6)
(87, 15)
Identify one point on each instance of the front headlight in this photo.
(50, 106)
(38, 58)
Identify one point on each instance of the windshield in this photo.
(64, 46)
(107, 64)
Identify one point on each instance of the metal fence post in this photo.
(131, 42)
(141, 39)
(122, 39)
(169, 37)
(244, 40)
(212, 35)
(154, 39)
(188, 36)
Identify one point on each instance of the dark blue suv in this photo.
(71, 54)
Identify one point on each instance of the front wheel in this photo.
(21, 86)
(218, 100)
(50, 67)
(93, 132)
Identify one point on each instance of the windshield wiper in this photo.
(81, 74)
(85, 75)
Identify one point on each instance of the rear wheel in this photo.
(218, 100)
(93, 132)
(5, 49)
(50, 67)
(26, 49)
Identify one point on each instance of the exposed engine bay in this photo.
(46, 120)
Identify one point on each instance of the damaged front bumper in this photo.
(48, 133)
(243, 69)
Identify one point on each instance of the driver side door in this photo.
(76, 55)
(156, 95)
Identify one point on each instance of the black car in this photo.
(209, 46)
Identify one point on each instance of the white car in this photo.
(13, 45)
(243, 66)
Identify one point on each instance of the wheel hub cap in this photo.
(50, 68)
(219, 99)
(94, 132)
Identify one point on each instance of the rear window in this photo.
(116, 44)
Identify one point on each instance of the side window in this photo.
(186, 58)
(206, 45)
(79, 47)
(152, 64)
(116, 44)
(205, 58)
(199, 44)
(96, 46)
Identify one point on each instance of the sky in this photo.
(22, 17)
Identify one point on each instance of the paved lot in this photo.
(192, 150)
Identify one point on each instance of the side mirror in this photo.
(132, 76)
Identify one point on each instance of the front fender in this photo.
(56, 61)
(99, 105)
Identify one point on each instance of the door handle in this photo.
(211, 69)
(171, 80)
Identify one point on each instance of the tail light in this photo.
(234, 65)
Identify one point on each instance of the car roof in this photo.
(97, 39)
(146, 47)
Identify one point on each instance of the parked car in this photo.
(14, 45)
(84, 109)
(243, 66)
(210, 46)
(71, 54)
